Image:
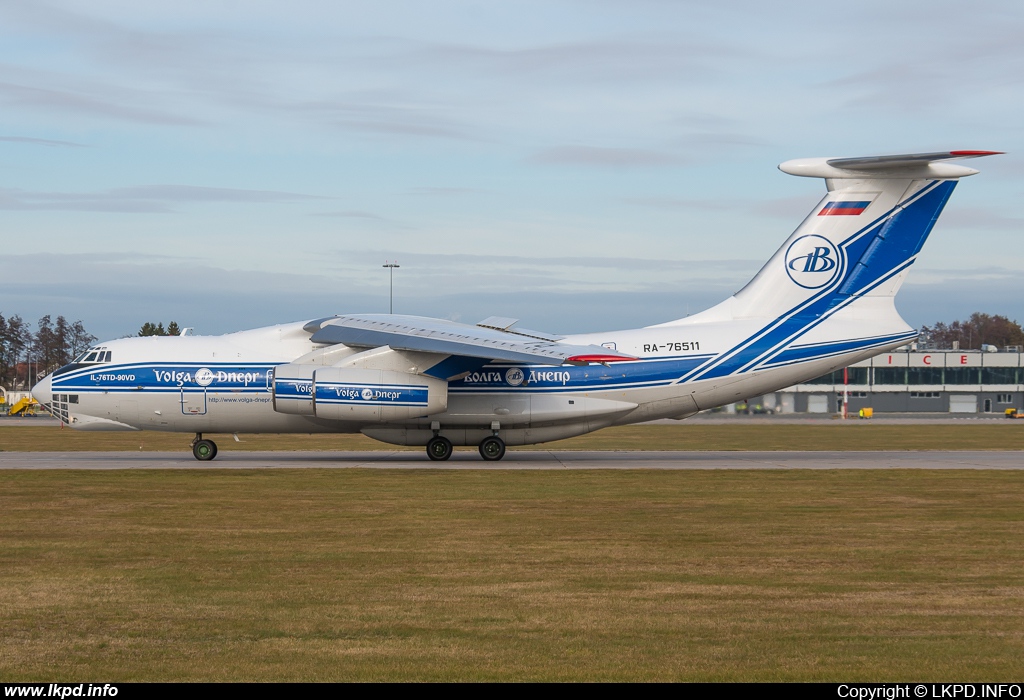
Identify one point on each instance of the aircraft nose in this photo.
(42, 392)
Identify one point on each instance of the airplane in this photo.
(823, 301)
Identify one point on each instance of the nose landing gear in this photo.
(203, 450)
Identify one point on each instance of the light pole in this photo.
(391, 271)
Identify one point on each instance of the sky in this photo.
(581, 166)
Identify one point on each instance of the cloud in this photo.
(907, 88)
(926, 300)
(790, 208)
(41, 142)
(651, 56)
(192, 193)
(978, 218)
(961, 277)
(681, 203)
(13, 95)
(369, 218)
(445, 191)
(490, 262)
(350, 214)
(437, 274)
(145, 199)
(704, 120)
(705, 139)
(387, 114)
(406, 127)
(19, 200)
(981, 58)
(601, 157)
(114, 295)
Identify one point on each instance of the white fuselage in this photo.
(223, 384)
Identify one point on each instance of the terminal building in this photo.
(911, 381)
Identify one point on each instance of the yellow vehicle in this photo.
(26, 407)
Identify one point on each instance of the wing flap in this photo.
(500, 323)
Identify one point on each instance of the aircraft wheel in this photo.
(492, 449)
(204, 450)
(439, 448)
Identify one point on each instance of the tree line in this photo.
(149, 328)
(980, 329)
(27, 353)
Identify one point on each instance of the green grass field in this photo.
(511, 575)
(517, 575)
(1008, 435)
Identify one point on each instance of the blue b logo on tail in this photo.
(818, 261)
(812, 262)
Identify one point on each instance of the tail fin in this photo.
(861, 238)
(831, 284)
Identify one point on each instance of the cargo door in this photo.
(193, 403)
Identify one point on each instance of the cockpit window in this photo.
(93, 355)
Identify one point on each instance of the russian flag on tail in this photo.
(843, 208)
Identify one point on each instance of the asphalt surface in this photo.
(517, 460)
(708, 418)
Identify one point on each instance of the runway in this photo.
(533, 459)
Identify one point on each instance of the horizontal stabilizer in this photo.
(879, 162)
(416, 333)
(929, 166)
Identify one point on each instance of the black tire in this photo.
(492, 449)
(204, 450)
(439, 448)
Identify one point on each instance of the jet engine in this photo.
(355, 394)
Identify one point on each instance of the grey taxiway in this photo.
(526, 459)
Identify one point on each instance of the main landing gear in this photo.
(440, 448)
(492, 448)
(203, 450)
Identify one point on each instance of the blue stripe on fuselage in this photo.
(154, 376)
(804, 353)
(617, 375)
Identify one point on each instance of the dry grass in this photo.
(499, 575)
(684, 436)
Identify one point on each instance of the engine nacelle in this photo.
(376, 395)
(355, 394)
(293, 389)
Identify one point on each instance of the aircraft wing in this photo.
(494, 339)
